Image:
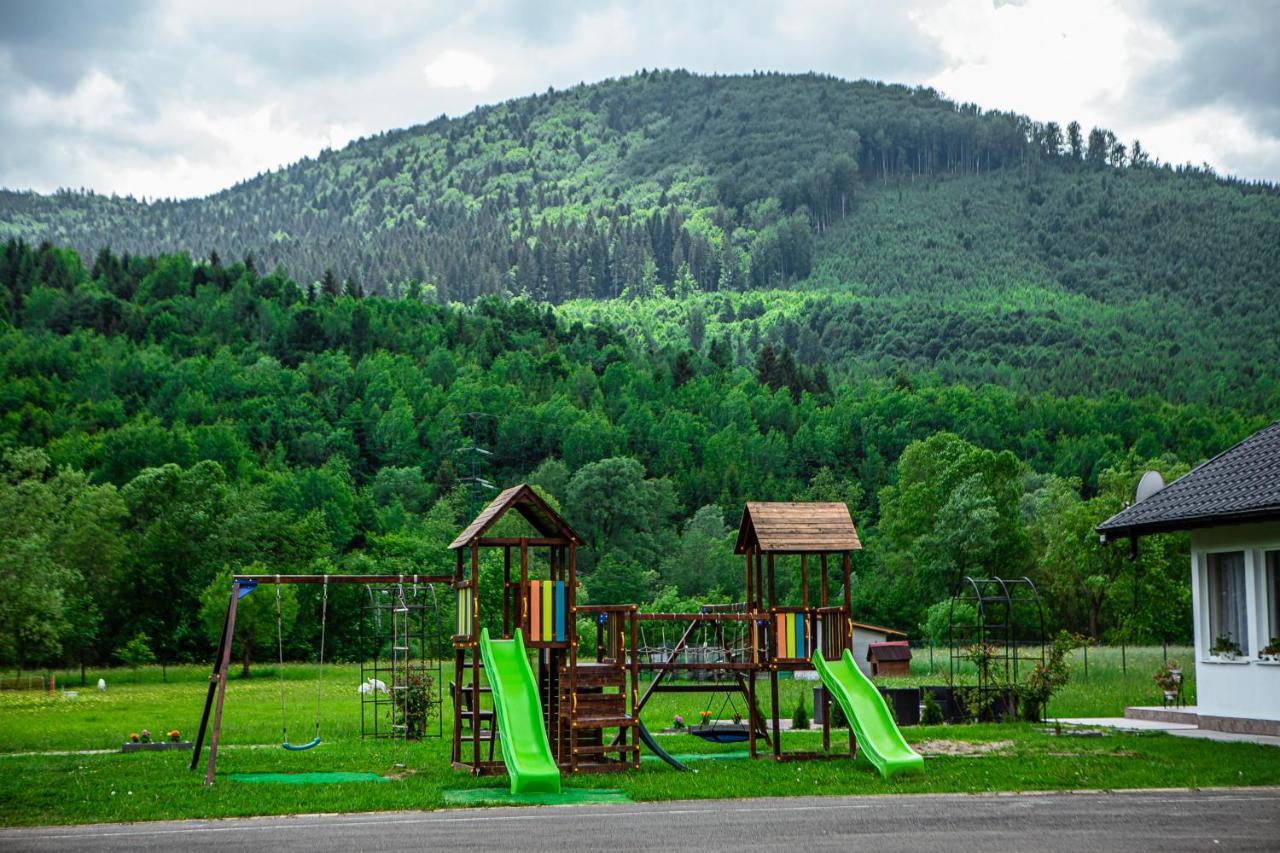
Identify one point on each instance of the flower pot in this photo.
(155, 746)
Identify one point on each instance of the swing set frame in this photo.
(242, 585)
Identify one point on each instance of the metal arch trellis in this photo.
(1003, 639)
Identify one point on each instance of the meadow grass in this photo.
(75, 788)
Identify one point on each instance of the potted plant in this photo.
(706, 717)
(737, 718)
(1271, 651)
(145, 736)
(1224, 648)
(174, 736)
(1168, 678)
(678, 722)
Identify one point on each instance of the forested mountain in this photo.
(980, 245)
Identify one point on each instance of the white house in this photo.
(1231, 506)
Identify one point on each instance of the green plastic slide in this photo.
(864, 708)
(525, 748)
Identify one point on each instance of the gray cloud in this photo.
(182, 98)
(1227, 55)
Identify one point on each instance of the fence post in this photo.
(1124, 664)
(1086, 658)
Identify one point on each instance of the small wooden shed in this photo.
(892, 658)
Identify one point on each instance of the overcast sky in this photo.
(185, 98)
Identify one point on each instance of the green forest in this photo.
(654, 298)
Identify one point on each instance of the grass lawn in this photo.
(47, 789)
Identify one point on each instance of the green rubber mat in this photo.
(503, 797)
(686, 757)
(336, 778)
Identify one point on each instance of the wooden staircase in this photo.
(593, 699)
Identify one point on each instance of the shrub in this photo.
(137, 652)
(1047, 678)
(838, 720)
(800, 719)
(420, 702)
(931, 715)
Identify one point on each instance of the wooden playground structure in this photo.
(591, 697)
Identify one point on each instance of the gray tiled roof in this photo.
(1239, 484)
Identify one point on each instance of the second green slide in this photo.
(525, 748)
(864, 708)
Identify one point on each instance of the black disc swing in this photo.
(721, 732)
(284, 719)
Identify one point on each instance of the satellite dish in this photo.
(1150, 483)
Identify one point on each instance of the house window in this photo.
(1227, 606)
(1273, 593)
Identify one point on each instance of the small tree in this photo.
(931, 715)
(255, 616)
(137, 652)
(800, 719)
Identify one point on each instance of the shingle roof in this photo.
(1240, 484)
(797, 527)
(526, 501)
(883, 652)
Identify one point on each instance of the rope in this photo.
(284, 719)
(324, 621)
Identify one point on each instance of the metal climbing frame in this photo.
(404, 643)
(1001, 633)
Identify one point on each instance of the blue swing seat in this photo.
(315, 741)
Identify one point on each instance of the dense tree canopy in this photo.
(165, 421)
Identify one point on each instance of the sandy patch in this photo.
(963, 748)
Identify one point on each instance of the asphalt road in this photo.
(1240, 819)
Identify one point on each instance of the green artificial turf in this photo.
(326, 778)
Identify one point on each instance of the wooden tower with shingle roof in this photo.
(803, 531)
(579, 700)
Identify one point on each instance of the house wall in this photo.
(862, 638)
(1247, 687)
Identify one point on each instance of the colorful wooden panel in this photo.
(560, 611)
(464, 621)
(548, 617)
(535, 612)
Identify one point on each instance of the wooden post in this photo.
(750, 589)
(822, 594)
(475, 657)
(506, 591)
(214, 681)
(760, 579)
(225, 660)
(635, 677)
(777, 724)
(571, 628)
(826, 720)
(848, 601)
(804, 581)
(524, 589)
